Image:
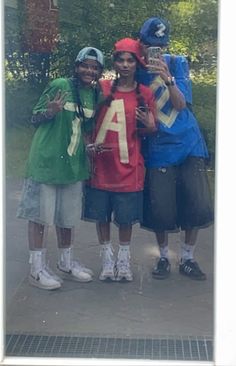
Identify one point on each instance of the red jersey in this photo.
(120, 169)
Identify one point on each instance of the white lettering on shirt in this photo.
(169, 117)
(116, 109)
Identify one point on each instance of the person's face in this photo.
(125, 64)
(88, 71)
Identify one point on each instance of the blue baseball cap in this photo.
(90, 53)
(155, 32)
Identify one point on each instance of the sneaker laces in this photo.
(163, 263)
(44, 271)
(107, 258)
(77, 265)
(123, 262)
(123, 266)
(51, 272)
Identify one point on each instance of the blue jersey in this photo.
(179, 135)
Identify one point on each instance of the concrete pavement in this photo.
(144, 307)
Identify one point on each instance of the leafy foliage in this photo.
(20, 98)
(204, 107)
(100, 24)
(18, 141)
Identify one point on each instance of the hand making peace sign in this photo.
(56, 105)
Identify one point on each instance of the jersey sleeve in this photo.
(182, 77)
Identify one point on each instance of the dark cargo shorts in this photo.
(177, 197)
(124, 208)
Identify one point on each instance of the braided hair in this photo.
(140, 98)
(77, 85)
(110, 97)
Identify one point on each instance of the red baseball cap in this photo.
(132, 46)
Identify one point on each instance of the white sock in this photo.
(36, 261)
(124, 247)
(124, 252)
(65, 256)
(186, 252)
(164, 251)
(106, 252)
(106, 245)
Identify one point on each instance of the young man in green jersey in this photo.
(57, 165)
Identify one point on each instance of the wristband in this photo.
(170, 81)
(48, 115)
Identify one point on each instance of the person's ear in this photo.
(76, 68)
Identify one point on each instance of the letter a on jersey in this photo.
(114, 120)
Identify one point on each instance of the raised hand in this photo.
(160, 67)
(145, 116)
(56, 105)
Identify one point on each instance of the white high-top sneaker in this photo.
(123, 270)
(72, 269)
(108, 263)
(39, 276)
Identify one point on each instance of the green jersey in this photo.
(57, 154)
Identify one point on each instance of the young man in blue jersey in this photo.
(177, 195)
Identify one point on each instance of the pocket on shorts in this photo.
(29, 207)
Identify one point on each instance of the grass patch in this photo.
(204, 106)
(17, 145)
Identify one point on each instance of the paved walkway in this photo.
(143, 308)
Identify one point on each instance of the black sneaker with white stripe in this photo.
(192, 270)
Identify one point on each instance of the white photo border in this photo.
(225, 299)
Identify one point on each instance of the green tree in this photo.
(101, 23)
